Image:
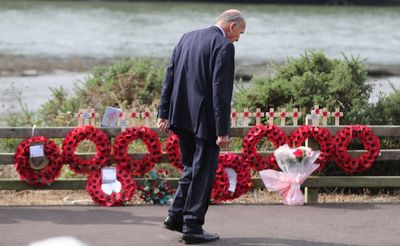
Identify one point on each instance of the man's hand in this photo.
(223, 142)
(162, 124)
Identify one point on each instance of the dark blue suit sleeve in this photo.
(222, 88)
(168, 84)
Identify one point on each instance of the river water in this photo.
(274, 32)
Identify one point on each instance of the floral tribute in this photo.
(74, 138)
(321, 135)
(173, 151)
(94, 188)
(153, 145)
(221, 191)
(47, 174)
(296, 165)
(250, 155)
(364, 161)
(155, 189)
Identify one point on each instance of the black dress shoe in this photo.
(204, 237)
(173, 224)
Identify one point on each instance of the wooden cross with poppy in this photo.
(234, 116)
(122, 121)
(146, 115)
(79, 117)
(325, 116)
(133, 116)
(93, 117)
(271, 115)
(246, 115)
(283, 114)
(295, 115)
(337, 114)
(258, 114)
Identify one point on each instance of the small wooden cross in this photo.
(233, 117)
(133, 116)
(295, 115)
(271, 115)
(283, 116)
(93, 117)
(146, 115)
(122, 121)
(318, 113)
(258, 114)
(317, 110)
(79, 116)
(246, 119)
(337, 114)
(325, 115)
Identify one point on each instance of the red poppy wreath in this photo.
(220, 191)
(250, 155)
(125, 194)
(74, 138)
(33, 172)
(364, 161)
(173, 151)
(321, 135)
(153, 145)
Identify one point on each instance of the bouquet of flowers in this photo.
(155, 189)
(296, 165)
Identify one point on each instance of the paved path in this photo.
(278, 225)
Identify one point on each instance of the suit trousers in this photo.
(192, 197)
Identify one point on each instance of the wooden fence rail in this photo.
(311, 185)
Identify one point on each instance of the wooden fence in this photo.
(311, 185)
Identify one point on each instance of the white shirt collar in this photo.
(222, 30)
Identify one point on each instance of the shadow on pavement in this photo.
(354, 206)
(272, 241)
(72, 216)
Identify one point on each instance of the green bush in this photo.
(313, 79)
(127, 83)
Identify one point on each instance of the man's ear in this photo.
(233, 25)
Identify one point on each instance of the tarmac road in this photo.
(253, 225)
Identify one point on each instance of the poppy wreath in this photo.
(220, 190)
(71, 142)
(249, 152)
(153, 145)
(173, 151)
(47, 174)
(128, 187)
(362, 162)
(321, 135)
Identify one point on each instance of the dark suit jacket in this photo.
(197, 89)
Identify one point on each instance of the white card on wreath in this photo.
(110, 117)
(232, 179)
(109, 188)
(108, 175)
(36, 150)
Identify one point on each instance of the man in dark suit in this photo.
(195, 104)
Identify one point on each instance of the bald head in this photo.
(231, 15)
(233, 24)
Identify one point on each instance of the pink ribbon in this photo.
(287, 184)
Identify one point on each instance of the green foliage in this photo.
(312, 79)
(393, 107)
(57, 111)
(122, 84)
(386, 111)
(127, 83)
